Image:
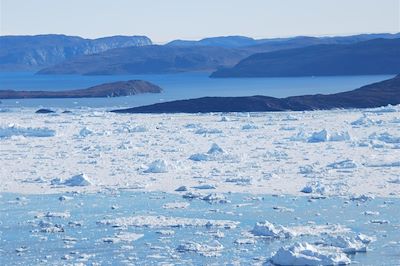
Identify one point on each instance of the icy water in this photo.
(84, 239)
(175, 86)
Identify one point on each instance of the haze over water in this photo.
(175, 87)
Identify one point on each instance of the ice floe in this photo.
(157, 166)
(79, 180)
(208, 250)
(305, 254)
(324, 135)
(13, 130)
(163, 221)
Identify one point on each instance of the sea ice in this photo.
(324, 135)
(346, 164)
(77, 181)
(203, 249)
(157, 166)
(164, 221)
(305, 254)
(13, 130)
(267, 229)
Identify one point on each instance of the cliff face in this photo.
(35, 52)
(370, 96)
(114, 89)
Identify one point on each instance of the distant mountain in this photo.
(373, 57)
(275, 44)
(35, 52)
(223, 41)
(114, 89)
(370, 96)
(149, 59)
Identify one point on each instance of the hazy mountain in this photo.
(379, 56)
(274, 44)
(35, 52)
(149, 59)
(370, 96)
(223, 41)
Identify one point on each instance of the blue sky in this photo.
(164, 20)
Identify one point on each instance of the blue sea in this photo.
(84, 240)
(175, 87)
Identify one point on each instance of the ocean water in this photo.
(83, 239)
(175, 86)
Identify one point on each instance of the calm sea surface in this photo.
(175, 86)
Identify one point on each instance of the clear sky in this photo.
(164, 20)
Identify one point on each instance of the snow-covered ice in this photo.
(161, 152)
(305, 254)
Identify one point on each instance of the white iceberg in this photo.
(13, 130)
(79, 180)
(305, 254)
(157, 166)
(267, 229)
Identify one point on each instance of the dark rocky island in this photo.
(114, 89)
(370, 96)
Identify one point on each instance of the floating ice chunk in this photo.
(163, 221)
(346, 244)
(193, 195)
(346, 164)
(339, 136)
(384, 164)
(241, 181)
(307, 189)
(176, 205)
(181, 189)
(215, 149)
(84, 132)
(205, 250)
(192, 126)
(198, 157)
(125, 237)
(215, 197)
(379, 221)
(62, 215)
(394, 180)
(208, 131)
(306, 169)
(249, 127)
(205, 186)
(365, 239)
(276, 155)
(305, 254)
(79, 180)
(224, 119)
(166, 232)
(362, 198)
(48, 227)
(320, 136)
(323, 136)
(137, 129)
(214, 153)
(384, 109)
(290, 118)
(13, 130)
(157, 166)
(385, 137)
(363, 121)
(245, 241)
(267, 229)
